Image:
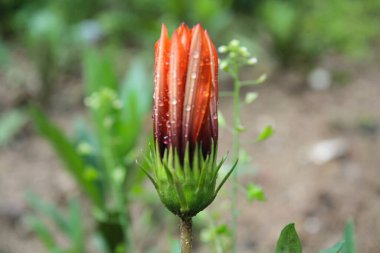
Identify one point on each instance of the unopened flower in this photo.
(185, 91)
(185, 120)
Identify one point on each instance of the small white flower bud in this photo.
(223, 65)
(222, 49)
(252, 61)
(244, 51)
(234, 43)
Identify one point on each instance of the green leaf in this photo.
(136, 96)
(289, 241)
(222, 229)
(49, 211)
(267, 132)
(98, 72)
(349, 238)
(337, 248)
(255, 192)
(77, 233)
(10, 124)
(44, 234)
(250, 97)
(67, 152)
(221, 120)
(281, 20)
(4, 55)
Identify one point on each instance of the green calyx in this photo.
(188, 188)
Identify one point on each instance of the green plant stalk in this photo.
(124, 219)
(118, 199)
(236, 144)
(218, 246)
(186, 235)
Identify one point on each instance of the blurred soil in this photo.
(318, 198)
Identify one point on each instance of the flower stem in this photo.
(186, 235)
(236, 144)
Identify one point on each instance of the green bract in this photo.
(188, 188)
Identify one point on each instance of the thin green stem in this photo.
(217, 243)
(236, 144)
(186, 235)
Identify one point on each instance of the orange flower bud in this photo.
(185, 91)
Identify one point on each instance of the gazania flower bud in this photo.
(185, 91)
(185, 120)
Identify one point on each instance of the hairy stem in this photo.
(186, 235)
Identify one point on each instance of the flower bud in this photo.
(185, 120)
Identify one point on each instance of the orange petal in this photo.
(184, 35)
(176, 83)
(160, 108)
(192, 77)
(202, 98)
(214, 87)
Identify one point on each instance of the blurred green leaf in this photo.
(4, 54)
(136, 97)
(255, 192)
(347, 244)
(45, 25)
(98, 71)
(221, 120)
(70, 225)
(66, 151)
(250, 97)
(77, 233)
(349, 238)
(280, 17)
(337, 248)
(44, 234)
(289, 241)
(10, 124)
(222, 229)
(49, 211)
(267, 132)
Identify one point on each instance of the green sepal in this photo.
(187, 187)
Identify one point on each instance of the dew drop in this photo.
(193, 75)
(188, 108)
(196, 55)
(174, 101)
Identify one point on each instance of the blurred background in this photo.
(322, 97)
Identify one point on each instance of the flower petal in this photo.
(176, 82)
(214, 88)
(203, 89)
(160, 108)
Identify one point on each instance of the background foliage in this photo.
(106, 46)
